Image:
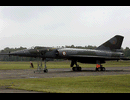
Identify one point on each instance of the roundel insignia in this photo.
(64, 53)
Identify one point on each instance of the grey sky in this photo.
(59, 26)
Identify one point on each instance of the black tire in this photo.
(46, 70)
(79, 68)
(76, 68)
(73, 69)
(103, 69)
(96, 69)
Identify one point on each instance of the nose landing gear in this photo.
(40, 67)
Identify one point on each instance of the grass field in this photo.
(62, 64)
(82, 84)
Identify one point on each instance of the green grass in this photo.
(26, 65)
(62, 64)
(82, 84)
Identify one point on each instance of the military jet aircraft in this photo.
(110, 50)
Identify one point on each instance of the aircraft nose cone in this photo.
(19, 53)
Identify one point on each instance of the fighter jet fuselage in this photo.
(81, 55)
(110, 50)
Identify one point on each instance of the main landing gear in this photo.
(99, 67)
(77, 68)
(40, 67)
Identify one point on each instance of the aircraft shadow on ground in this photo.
(101, 71)
(93, 71)
(106, 71)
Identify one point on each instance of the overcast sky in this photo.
(59, 26)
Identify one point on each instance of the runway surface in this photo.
(22, 74)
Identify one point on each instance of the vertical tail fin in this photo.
(112, 44)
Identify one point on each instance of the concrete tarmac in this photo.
(63, 72)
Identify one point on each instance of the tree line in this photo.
(126, 51)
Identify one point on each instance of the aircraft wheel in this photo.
(100, 69)
(96, 69)
(76, 68)
(46, 70)
(103, 69)
(79, 68)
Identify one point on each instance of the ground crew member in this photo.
(97, 66)
(31, 64)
